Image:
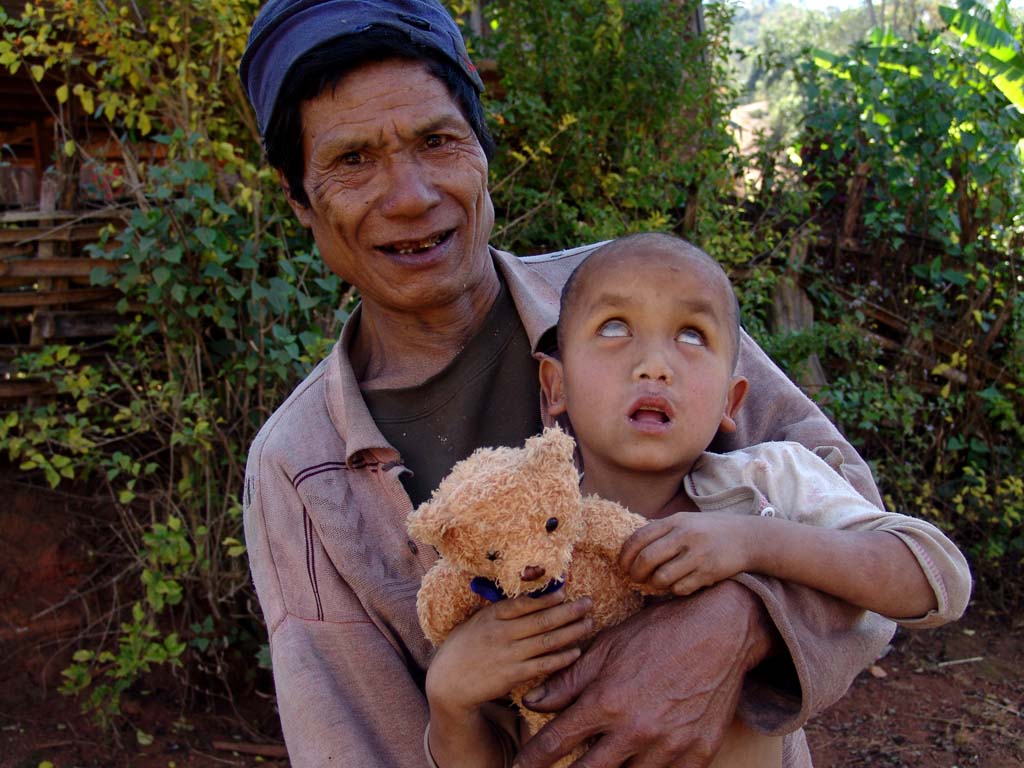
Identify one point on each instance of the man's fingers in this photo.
(561, 689)
(639, 539)
(557, 739)
(698, 754)
(604, 753)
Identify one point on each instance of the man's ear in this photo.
(302, 212)
(734, 399)
(552, 384)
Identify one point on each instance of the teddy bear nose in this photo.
(532, 572)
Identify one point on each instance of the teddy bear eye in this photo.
(551, 524)
(492, 555)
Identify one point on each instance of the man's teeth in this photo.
(419, 245)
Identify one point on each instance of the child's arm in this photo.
(499, 647)
(871, 569)
(830, 538)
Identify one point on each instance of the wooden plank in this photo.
(25, 388)
(51, 298)
(33, 283)
(12, 251)
(21, 216)
(63, 234)
(77, 325)
(74, 267)
(15, 282)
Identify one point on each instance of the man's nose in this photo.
(410, 190)
(653, 365)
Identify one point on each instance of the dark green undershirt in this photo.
(487, 396)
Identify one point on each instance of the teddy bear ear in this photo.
(552, 445)
(426, 523)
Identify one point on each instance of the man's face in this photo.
(397, 184)
(646, 371)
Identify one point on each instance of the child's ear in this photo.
(552, 384)
(734, 399)
(302, 212)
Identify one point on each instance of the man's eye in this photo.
(613, 329)
(435, 140)
(351, 158)
(691, 336)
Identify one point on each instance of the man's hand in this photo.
(658, 690)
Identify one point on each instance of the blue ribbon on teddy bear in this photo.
(489, 590)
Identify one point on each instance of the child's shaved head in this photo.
(634, 246)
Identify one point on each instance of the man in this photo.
(370, 112)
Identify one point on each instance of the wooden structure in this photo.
(45, 291)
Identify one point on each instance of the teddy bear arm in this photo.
(444, 601)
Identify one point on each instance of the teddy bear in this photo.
(508, 521)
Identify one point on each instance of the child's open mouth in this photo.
(651, 411)
(649, 416)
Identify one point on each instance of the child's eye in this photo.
(691, 336)
(613, 329)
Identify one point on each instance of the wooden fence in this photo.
(45, 291)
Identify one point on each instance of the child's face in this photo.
(646, 369)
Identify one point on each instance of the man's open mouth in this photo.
(410, 247)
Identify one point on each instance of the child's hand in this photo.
(503, 645)
(686, 551)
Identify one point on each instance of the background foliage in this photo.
(890, 195)
(628, 141)
(910, 149)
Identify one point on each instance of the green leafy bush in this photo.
(917, 160)
(611, 116)
(224, 308)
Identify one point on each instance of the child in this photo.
(648, 337)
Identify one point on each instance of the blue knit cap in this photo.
(284, 30)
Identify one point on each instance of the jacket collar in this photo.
(536, 301)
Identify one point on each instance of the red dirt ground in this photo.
(946, 698)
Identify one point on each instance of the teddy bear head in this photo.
(508, 515)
